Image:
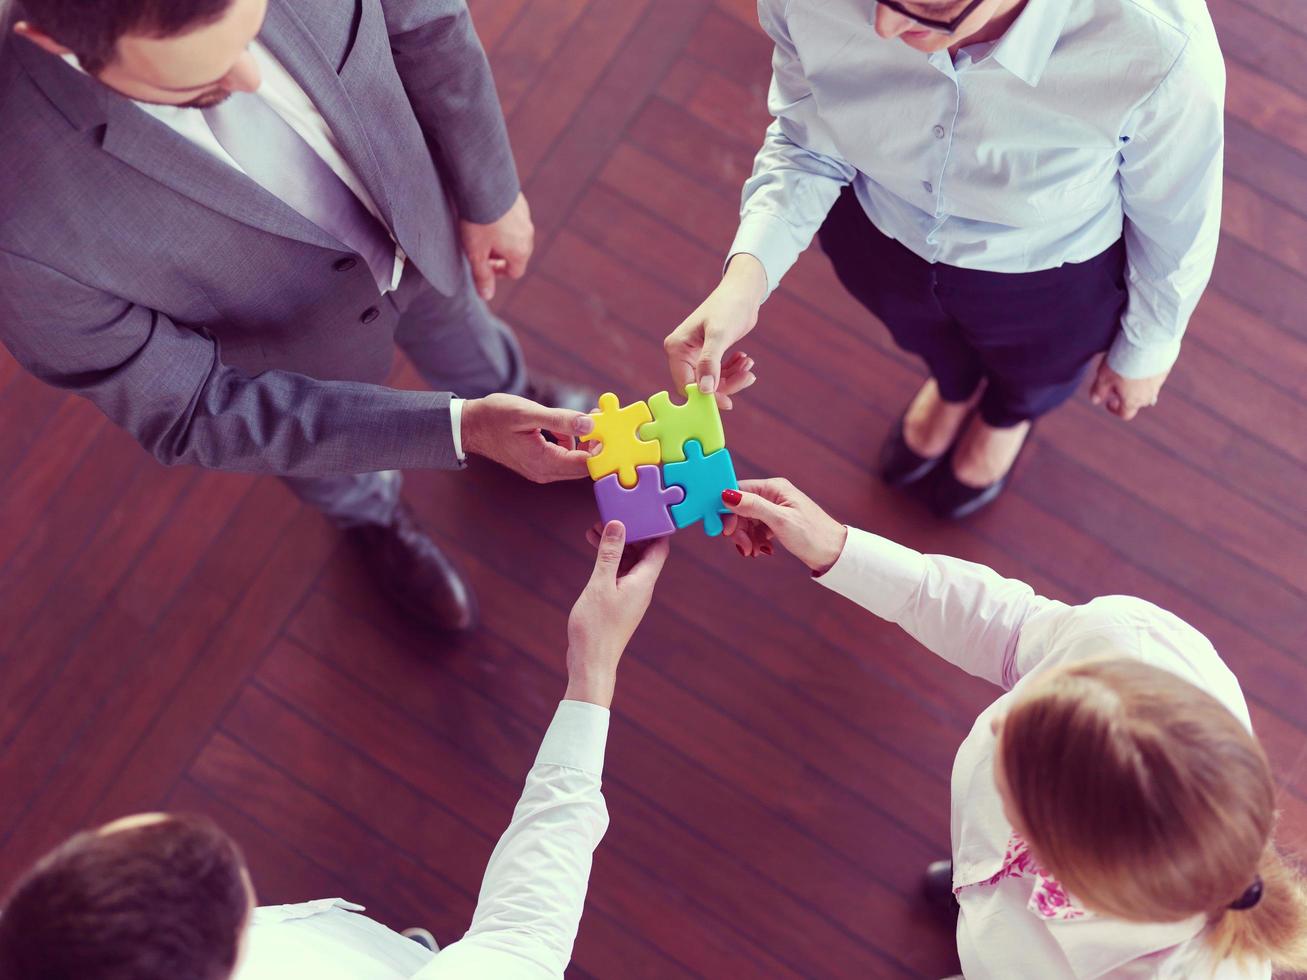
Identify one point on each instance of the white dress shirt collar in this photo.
(1026, 46)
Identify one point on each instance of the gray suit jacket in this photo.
(201, 313)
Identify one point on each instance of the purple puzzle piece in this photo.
(643, 508)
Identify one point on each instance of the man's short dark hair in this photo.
(160, 901)
(91, 28)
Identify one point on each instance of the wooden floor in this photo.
(778, 763)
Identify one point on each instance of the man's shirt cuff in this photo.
(456, 427)
(576, 737)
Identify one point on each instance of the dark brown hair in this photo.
(91, 28)
(161, 901)
(1152, 802)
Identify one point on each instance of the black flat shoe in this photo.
(898, 465)
(422, 937)
(937, 889)
(953, 500)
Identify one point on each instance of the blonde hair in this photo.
(1150, 801)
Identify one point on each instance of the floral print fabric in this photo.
(1048, 899)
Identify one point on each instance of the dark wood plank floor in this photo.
(778, 764)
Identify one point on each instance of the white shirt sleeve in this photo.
(1171, 180)
(966, 613)
(534, 888)
(456, 427)
(999, 629)
(798, 172)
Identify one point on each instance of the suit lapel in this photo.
(286, 36)
(155, 150)
(149, 146)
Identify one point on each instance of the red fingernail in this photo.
(731, 498)
(765, 549)
(740, 548)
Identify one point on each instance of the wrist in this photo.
(595, 685)
(747, 277)
(473, 416)
(825, 557)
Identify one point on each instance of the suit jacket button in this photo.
(344, 265)
(370, 314)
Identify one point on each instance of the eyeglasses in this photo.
(939, 26)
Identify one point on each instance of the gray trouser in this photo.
(457, 345)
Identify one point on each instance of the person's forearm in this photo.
(591, 686)
(878, 574)
(166, 385)
(290, 425)
(742, 291)
(1163, 293)
(534, 888)
(784, 202)
(1171, 180)
(746, 275)
(965, 613)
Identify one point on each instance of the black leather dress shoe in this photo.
(937, 887)
(414, 574)
(952, 500)
(561, 394)
(422, 937)
(898, 465)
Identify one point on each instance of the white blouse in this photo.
(999, 629)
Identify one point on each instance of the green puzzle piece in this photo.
(675, 425)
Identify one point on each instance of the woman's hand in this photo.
(697, 348)
(1124, 397)
(767, 510)
(608, 611)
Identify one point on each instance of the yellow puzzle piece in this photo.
(621, 448)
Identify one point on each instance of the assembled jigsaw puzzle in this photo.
(661, 466)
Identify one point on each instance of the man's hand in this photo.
(608, 611)
(695, 349)
(775, 509)
(501, 248)
(1124, 397)
(510, 430)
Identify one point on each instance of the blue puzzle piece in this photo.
(703, 478)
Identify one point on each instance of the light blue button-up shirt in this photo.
(1086, 121)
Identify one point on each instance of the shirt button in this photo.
(928, 186)
(939, 132)
(370, 314)
(344, 265)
